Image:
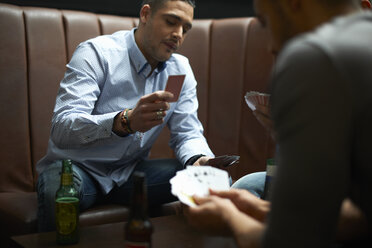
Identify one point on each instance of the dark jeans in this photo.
(158, 173)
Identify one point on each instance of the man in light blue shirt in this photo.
(111, 107)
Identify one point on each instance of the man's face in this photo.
(165, 30)
(272, 17)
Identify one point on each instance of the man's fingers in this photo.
(158, 96)
(153, 116)
(152, 107)
(200, 200)
(202, 160)
(261, 116)
(263, 110)
(258, 113)
(231, 193)
(264, 120)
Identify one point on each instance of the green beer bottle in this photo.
(270, 175)
(138, 230)
(67, 207)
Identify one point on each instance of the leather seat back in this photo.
(15, 157)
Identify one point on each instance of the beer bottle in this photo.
(270, 174)
(138, 229)
(67, 207)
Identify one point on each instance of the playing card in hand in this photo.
(223, 161)
(254, 98)
(197, 180)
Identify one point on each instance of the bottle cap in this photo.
(270, 161)
(138, 174)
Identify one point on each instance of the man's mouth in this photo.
(171, 45)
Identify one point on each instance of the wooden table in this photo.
(169, 232)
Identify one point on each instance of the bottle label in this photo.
(67, 215)
(131, 244)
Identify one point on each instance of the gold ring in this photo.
(159, 115)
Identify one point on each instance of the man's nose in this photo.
(178, 33)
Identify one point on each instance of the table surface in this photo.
(169, 231)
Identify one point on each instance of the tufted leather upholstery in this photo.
(228, 56)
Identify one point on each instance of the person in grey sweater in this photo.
(322, 113)
(255, 182)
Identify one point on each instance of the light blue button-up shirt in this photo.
(105, 75)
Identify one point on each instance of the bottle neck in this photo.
(67, 173)
(66, 179)
(139, 201)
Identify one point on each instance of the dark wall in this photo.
(204, 8)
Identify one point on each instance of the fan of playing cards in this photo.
(253, 98)
(197, 180)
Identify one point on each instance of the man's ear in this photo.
(366, 4)
(145, 13)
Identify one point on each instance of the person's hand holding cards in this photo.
(259, 103)
(174, 86)
(254, 98)
(149, 111)
(223, 161)
(198, 180)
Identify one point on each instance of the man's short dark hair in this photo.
(335, 2)
(156, 4)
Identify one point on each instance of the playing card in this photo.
(250, 100)
(197, 180)
(223, 161)
(174, 85)
(253, 98)
(202, 175)
(184, 193)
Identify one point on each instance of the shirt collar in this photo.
(139, 61)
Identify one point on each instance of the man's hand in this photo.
(211, 215)
(262, 114)
(202, 160)
(218, 215)
(149, 112)
(352, 223)
(246, 202)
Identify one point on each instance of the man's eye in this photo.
(171, 23)
(185, 30)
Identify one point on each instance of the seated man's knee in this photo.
(254, 183)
